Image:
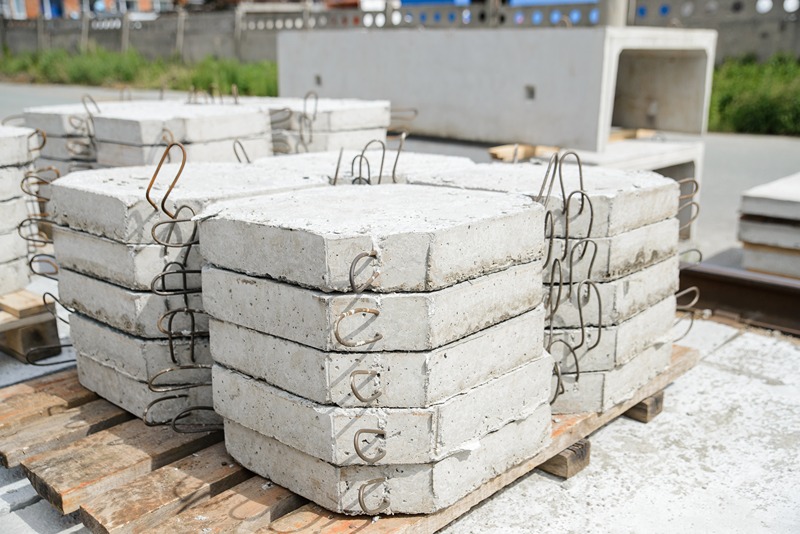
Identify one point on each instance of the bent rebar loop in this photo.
(693, 217)
(363, 157)
(385, 503)
(178, 386)
(359, 179)
(691, 251)
(86, 100)
(580, 305)
(237, 146)
(335, 179)
(571, 352)
(377, 432)
(695, 188)
(553, 297)
(402, 136)
(585, 242)
(194, 428)
(79, 148)
(550, 176)
(686, 309)
(307, 119)
(277, 119)
(172, 185)
(376, 272)
(582, 187)
(352, 344)
(550, 239)
(560, 388)
(33, 235)
(47, 259)
(42, 141)
(357, 393)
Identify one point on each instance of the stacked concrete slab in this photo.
(138, 303)
(611, 273)
(378, 349)
(17, 151)
(325, 124)
(769, 227)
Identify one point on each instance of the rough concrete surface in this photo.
(10, 178)
(123, 155)
(17, 145)
(784, 262)
(409, 435)
(772, 233)
(67, 166)
(406, 321)
(12, 246)
(297, 143)
(12, 212)
(133, 312)
(619, 299)
(402, 379)
(424, 238)
(69, 148)
(323, 114)
(418, 488)
(111, 202)
(14, 275)
(133, 266)
(779, 199)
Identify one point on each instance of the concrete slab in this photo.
(12, 247)
(133, 312)
(10, 179)
(12, 212)
(221, 151)
(705, 336)
(407, 435)
(14, 275)
(425, 238)
(292, 142)
(67, 166)
(779, 199)
(111, 202)
(771, 233)
(621, 200)
(600, 390)
(17, 146)
(131, 266)
(409, 489)
(407, 321)
(137, 357)
(329, 114)
(616, 256)
(133, 396)
(618, 344)
(403, 379)
(69, 148)
(780, 261)
(621, 299)
(64, 120)
(139, 124)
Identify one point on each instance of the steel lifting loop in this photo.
(403, 135)
(193, 240)
(170, 316)
(185, 290)
(237, 146)
(306, 128)
(279, 116)
(47, 259)
(28, 224)
(560, 389)
(554, 304)
(335, 178)
(599, 313)
(310, 95)
(564, 156)
(687, 314)
(584, 197)
(585, 242)
(360, 179)
(52, 309)
(375, 273)
(357, 393)
(695, 188)
(549, 228)
(552, 167)
(145, 415)
(30, 355)
(37, 133)
(165, 388)
(78, 148)
(87, 99)
(356, 438)
(574, 357)
(194, 428)
(378, 509)
(692, 251)
(348, 313)
(695, 214)
(364, 158)
(687, 291)
(172, 185)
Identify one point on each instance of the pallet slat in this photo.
(91, 466)
(648, 409)
(26, 403)
(22, 304)
(149, 500)
(570, 461)
(244, 508)
(41, 384)
(58, 430)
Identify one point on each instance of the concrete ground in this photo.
(721, 458)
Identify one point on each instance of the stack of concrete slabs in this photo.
(17, 151)
(105, 245)
(325, 124)
(769, 227)
(137, 133)
(624, 239)
(400, 389)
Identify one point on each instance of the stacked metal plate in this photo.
(130, 270)
(378, 349)
(18, 148)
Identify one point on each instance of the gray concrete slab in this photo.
(406, 488)
(294, 142)
(617, 344)
(219, 151)
(134, 312)
(14, 275)
(10, 179)
(111, 202)
(598, 391)
(773, 234)
(402, 379)
(69, 148)
(783, 262)
(134, 396)
(424, 238)
(67, 166)
(406, 321)
(17, 146)
(131, 266)
(139, 358)
(12, 212)
(617, 256)
(779, 199)
(619, 300)
(12, 246)
(324, 114)
(407, 435)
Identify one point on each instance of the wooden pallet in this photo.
(25, 324)
(81, 453)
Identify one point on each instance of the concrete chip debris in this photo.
(131, 272)
(388, 350)
(769, 227)
(18, 148)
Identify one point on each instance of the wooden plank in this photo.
(648, 409)
(55, 397)
(149, 500)
(247, 507)
(570, 461)
(22, 304)
(9, 322)
(37, 385)
(567, 429)
(45, 434)
(17, 342)
(92, 466)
